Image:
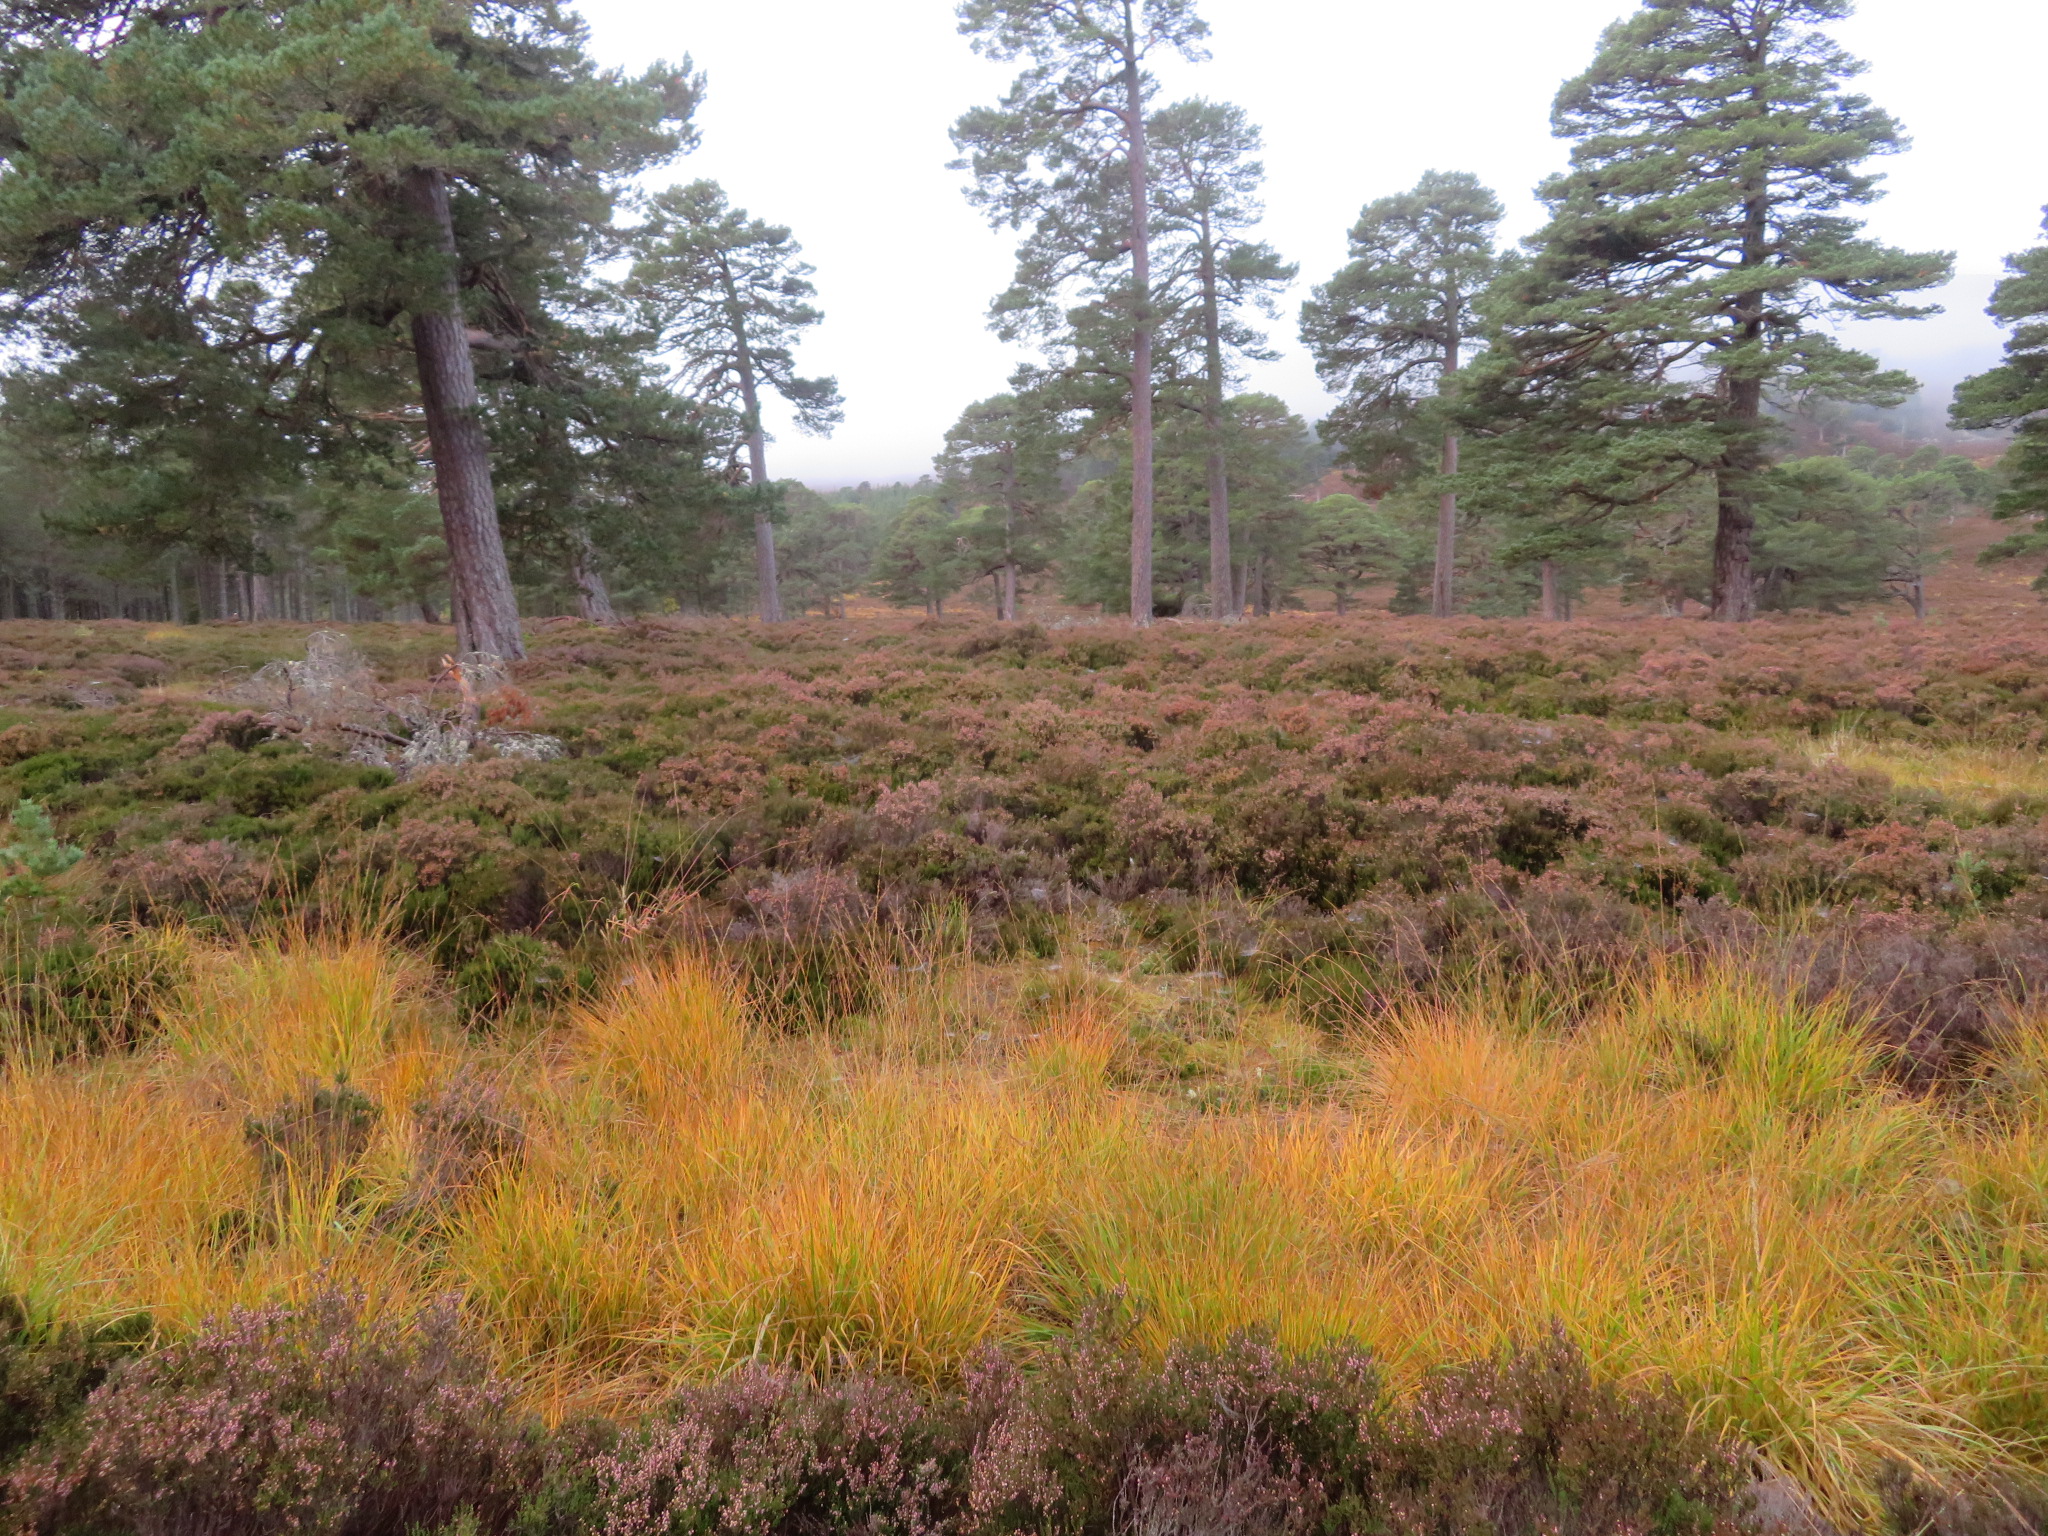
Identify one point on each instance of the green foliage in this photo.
(1700, 224)
(825, 550)
(1001, 466)
(1267, 454)
(727, 297)
(1388, 329)
(514, 973)
(923, 559)
(1348, 543)
(2015, 394)
(36, 854)
(204, 231)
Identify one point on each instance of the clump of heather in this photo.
(319, 1420)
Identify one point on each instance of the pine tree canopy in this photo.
(1383, 327)
(1695, 244)
(2015, 394)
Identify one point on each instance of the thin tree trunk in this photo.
(1440, 596)
(1141, 340)
(260, 598)
(1008, 591)
(1343, 596)
(1919, 594)
(593, 597)
(764, 538)
(487, 609)
(1735, 476)
(1734, 599)
(1549, 608)
(177, 596)
(765, 575)
(1212, 427)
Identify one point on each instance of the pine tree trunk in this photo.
(1212, 428)
(1735, 477)
(1007, 593)
(259, 597)
(1734, 600)
(1919, 595)
(1141, 340)
(593, 597)
(1548, 609)
(766, 578)
(764, 536)
(1440, 596)
(487, 608)
(1343, 596)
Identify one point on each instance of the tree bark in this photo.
(1141, 339)
(1447, 504)
(1212, 427)
(1548, 609)
(765, 576)
(764, 540)
(1008, 592)
(486, 607)
(1734, 600)
(593, 597)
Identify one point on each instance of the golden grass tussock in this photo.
(1702, 1181)
(1960, 771)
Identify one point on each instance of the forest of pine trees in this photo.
(404, 334)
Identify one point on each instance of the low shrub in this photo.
(319, 1420)
(1241, 1439)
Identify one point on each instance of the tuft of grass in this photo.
(1697, 1178)
(1962, 771)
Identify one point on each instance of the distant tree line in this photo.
(337, 312)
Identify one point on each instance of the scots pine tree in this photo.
(2015, 394)
(1065, 153)
(728, 298)
(1695, 246)
(1205, 196)
(312, 198)
(1001, 465)
(1390, 331)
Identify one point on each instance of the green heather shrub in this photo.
(1239, 1440)
(330, 1419)
(47, 1373)
(321, 1420)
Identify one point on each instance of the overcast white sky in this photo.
(831, 116)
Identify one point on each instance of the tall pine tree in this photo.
(1390, 332)
(1066, 153)
(1206, 195)
(1693, 248)
(728, 297)
(351, 178)
(2015, 394)
(1001, 465)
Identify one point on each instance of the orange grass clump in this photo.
(1703, 1181)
